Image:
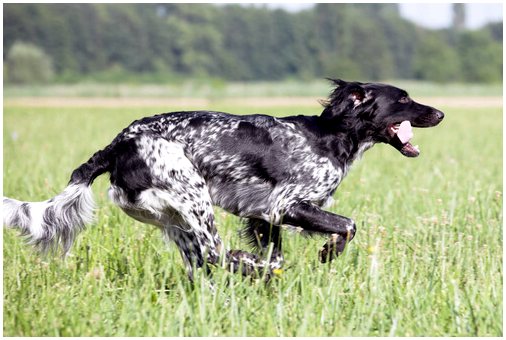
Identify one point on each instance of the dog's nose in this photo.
(440, 115)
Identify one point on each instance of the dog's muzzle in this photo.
(429, 120)
(402, 133)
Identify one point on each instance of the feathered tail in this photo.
(53, 222)
(56, 222)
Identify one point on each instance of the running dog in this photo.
(170, 169)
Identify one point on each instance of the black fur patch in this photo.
(130, 171)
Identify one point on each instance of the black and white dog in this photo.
(170, 169)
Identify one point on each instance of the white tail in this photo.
(55, 222)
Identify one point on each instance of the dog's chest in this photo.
(316, 179)
(312, 177)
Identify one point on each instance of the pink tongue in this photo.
(405, 132)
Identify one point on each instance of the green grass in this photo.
(209, 88)
(426, 260)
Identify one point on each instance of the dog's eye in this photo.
(404, 100)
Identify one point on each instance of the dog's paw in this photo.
(332, 249)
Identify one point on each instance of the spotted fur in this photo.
(170, 169)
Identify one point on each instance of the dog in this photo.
(169, 170)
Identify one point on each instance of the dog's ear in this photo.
(338, 82)
(356, 92)
(357, 95)
(346, 97)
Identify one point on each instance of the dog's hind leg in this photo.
(188, 220)
(165, 189)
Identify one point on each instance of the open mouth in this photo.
(401, 134)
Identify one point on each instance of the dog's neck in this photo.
(341, 140)
(362, 147)
(347, 148)
(349, 139)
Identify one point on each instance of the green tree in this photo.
(355, 41)
(496, 31)
(26, 63)
(435, 60)
(354, 47)
(481, 57)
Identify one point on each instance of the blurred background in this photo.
(164, 43)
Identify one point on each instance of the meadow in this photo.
(426, 260)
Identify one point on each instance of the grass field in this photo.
(216, 89)
(426, 260)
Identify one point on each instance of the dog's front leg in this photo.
(313, 219)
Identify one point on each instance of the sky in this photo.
(439, 15)
(431, 15)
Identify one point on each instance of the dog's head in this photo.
(382, 113)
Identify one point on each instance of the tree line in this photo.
(354, 41)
